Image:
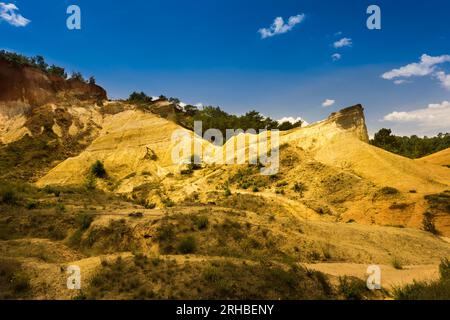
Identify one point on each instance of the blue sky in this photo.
(211, 52)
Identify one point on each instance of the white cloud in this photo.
(328, 103)
(400, 81)
(344, 42)
(199, 105)
(8, 13)
(444, 78)
(336, 56)
(433, 117)
(425, 67)
(279, 26)
(293, 120)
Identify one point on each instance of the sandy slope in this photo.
(441, 158)
(390, 277)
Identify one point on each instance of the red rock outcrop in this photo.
(33, 87)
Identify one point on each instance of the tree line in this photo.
(216, 118)
(413, 146)
(39, 62)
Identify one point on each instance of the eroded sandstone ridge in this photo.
(352, 119)
(33, 101)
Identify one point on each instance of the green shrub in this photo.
(281, 184)
(211, 274)
(440, 201)
(140, 260)
(300, 188)
(352, 288)
(167, 202)
(399, 206)
(90, 182)
(60, 207)
(201, 222)
(52, 190)
(165, 233)
(20, 282)
(150, 205)
(84, 220)
(389, 191)
(397, 264)
(444, 269)
(136, 215)
(31, 205)
(80, 296)
(146, 204)
(8, 195)
(428, 223)
(284, 278)
(187, 245)
(14, 283)
(139, 97)
(186, 172)
(98, 170)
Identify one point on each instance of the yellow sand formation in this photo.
(441, 158)
(136, 148)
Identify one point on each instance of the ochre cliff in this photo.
(34, 87)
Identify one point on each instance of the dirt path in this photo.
(390, 277)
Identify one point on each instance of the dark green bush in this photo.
(31, 205)
(84, 220)
(428, 223)
(201, 222)
(139, 97)
(187, 245)
(167, 202)
(444, 269)
(300, 188)
(98, 170)
(165, 233)
(352, 288)
(389, 191)
(150, 205)
(20, 282)
(60, 207)
(399, 206)
(14, 283)
(8, 195)
(52, 190)
(440, 201)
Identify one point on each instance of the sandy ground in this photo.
(390, 277)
